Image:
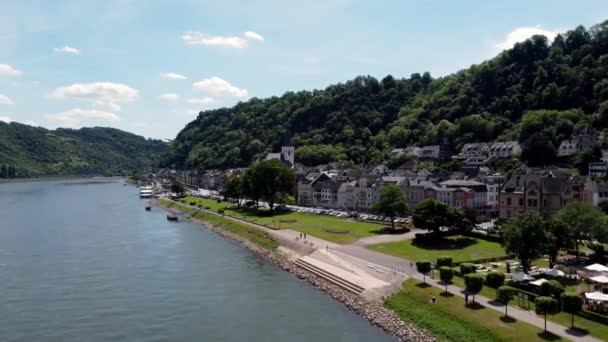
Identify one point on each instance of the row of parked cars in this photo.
(340, 213)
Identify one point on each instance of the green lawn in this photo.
(257, 236)
(449, 320)
(339, 230)
(466, 249)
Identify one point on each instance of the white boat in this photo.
(146, 191)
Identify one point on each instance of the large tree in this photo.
(560, 236)
(585, 222)
(538, 150)
(432, 215)
(525, 237)
(391, 203)
(234, 189)
(269, 180)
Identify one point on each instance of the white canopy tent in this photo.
(554, 273)
(597, 268)
(521, 276)
(598, 296)
(601, 279)
(538, 282)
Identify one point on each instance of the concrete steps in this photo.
(379, 272)
(333, 278)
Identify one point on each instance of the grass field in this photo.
(339, 230)
(449, 320)
(459, 249)
(257, 236)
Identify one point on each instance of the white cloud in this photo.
(253, 36)
(68, 50)
(6, 119)
(198, 38)
(7, 70)
(522, 33)
(204, 100)
(219, 87)
(75, 118)
(6, 100)
(169, 97)
(173, 76)
(106, 94)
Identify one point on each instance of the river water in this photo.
(80, 260)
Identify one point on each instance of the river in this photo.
(80, 260)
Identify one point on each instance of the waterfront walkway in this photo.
(408, 268)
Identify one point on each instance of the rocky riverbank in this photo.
(373, 311)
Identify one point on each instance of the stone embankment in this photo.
(373, 311)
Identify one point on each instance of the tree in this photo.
(546, 306)
(572, 303)
(391, 203)
(552, 288)
(505, 295)
(269, 180)
(524, 237)
(538, 150)
(560, 236)
(423, 267)
(495, 280)
(461, 222)
(431, 215)
(234, 189)
(446, 274)
(585, 222)
(177, 187)
(444, 261)
(466, 268)
(473, 283)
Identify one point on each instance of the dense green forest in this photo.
(557, 88)
(34, 151)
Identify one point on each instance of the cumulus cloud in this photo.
(7, 70)
(253, 36)
(173, 76)
(520, 34)
(6, 119)
(169, 97)
(235, 42)
(219, 87)
(68, 50)
(5, 100)
(75, 118)
(204, 101)
(106, 94)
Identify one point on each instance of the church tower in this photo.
(288, 155)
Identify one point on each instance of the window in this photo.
(521, 202)
(508, 200)
(532, 203)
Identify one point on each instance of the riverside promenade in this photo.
(287, 237)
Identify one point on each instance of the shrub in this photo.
(505, 295)
(466, 268)
(423, 267)
(495, 280)
(446, 274)
(444, 261)
(572, 303)
(552, 288)
(473, 283)
(546, 306)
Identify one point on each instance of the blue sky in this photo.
(150, 66)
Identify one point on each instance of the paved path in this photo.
(407, 267)
(384, 238)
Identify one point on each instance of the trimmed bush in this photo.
(505, 295)
(423, 267)
(552, 288)
(473, 283)
(466, 268)
(572, 303)
(546, 306)
(446, 274)
(495, 280)
(444, 261)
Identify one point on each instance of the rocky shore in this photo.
(373, 311)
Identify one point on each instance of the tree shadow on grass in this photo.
(446, 294)
(475, 306)
(444, 244)
(423, 285)
(548, 336)
(576, 331)
(387, 230)
(508, 319)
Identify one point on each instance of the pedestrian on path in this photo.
(304, 236)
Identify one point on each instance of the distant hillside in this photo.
(35, 151)
(556, 88)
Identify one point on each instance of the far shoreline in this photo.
(62, 177)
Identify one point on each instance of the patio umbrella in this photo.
(597, 268)
(554, 273)
(521, 276)
(601, 279)
(538, 282)
(597, 296)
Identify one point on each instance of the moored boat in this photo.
(171, 217)
(146, 191)
(148, 207)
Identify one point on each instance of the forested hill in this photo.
(554, 87)
(35, 151)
